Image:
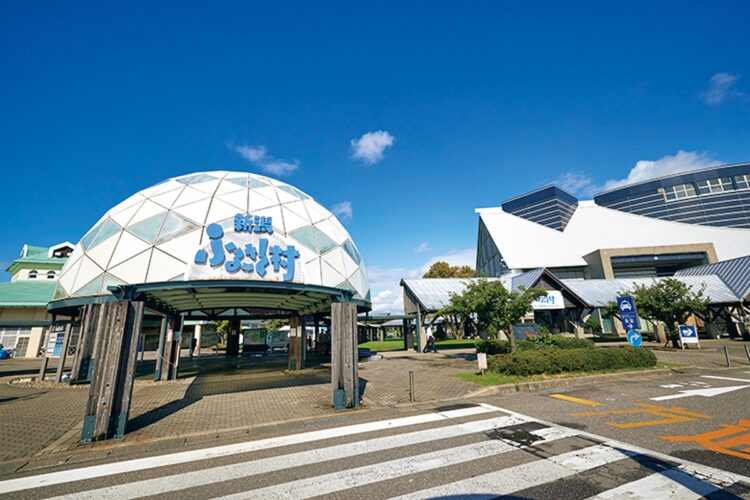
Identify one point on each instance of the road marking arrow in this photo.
(701, 392)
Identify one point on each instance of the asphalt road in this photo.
(655, 412)
(456, 451)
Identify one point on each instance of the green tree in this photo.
(442, 269)
(669, 301)
(222, 329)
(493, 306)
(273, 325)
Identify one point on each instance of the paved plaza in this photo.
(217, 399)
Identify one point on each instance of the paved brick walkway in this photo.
(213, 398)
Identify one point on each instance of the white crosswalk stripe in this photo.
(228, 450)
(533, 454)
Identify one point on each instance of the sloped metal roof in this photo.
(734, 272)
(434, 293)
(26, 293)
(526, 245)
(599, 293)
(527, 279)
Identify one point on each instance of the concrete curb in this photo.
(541, 385)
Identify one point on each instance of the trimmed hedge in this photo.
(534, 343)
(553, 361)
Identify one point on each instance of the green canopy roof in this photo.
(26, 293)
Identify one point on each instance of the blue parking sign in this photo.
(628, 314)
(634, 338)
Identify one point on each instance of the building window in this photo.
(679, 192)
(713, 186)
(50, 275)
(9, 336)
(743, 181)
(33, 274)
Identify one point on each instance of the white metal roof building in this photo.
(596, 240)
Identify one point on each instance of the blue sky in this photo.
(480, 101)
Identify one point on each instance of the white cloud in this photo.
(343, 210)
(371, 145)
(683, 161)
(422, 248)
(387, 295)
(252, 153)
(577, 183)
(721, 89)
(280, 167)
(258, 156)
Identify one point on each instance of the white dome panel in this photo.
(190, 195)
(128, 246)
(165, 236)
(238, 199)
(122, 217)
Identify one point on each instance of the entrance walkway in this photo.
(214, 397)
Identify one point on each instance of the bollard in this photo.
(747, 351)
(726, 355)
(411, 386)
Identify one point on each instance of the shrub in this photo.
(558, 341)
(534, 343)
(553, 361)
(493, 346)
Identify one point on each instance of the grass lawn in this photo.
(398, 344)
(493, 378)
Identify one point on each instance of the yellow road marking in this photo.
(575, 400)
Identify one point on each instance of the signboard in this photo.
(482, 361)
(688, 334)
(553, 300)
(634, 338)
(55, 341)
(628, 314)
(247, 250)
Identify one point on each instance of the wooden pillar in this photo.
(296, 344)
(83, 366)
(45, 358)
(419, 332)
(160, 350)
(114, 356)
(197, 336)
(344, 355)
(233, 338)
(64, 353)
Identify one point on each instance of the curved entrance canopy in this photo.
(208, 246)
(212, 227)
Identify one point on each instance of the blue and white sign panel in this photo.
(688, 334)
(628, 314)
(634, 338)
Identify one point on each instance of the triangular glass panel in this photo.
(294, 191)
(174, 226)
(101, 232)
(352, 251)
(313, 239)
(93, 287)
(255, 183)
(345, 285)
(147, 229)
(195, 179)
(240, 181)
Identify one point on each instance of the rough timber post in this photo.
(114, 355)
(83, 366)
(295, 344)
(344, 356)
(160, 350)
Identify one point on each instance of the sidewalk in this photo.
(214, 400)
